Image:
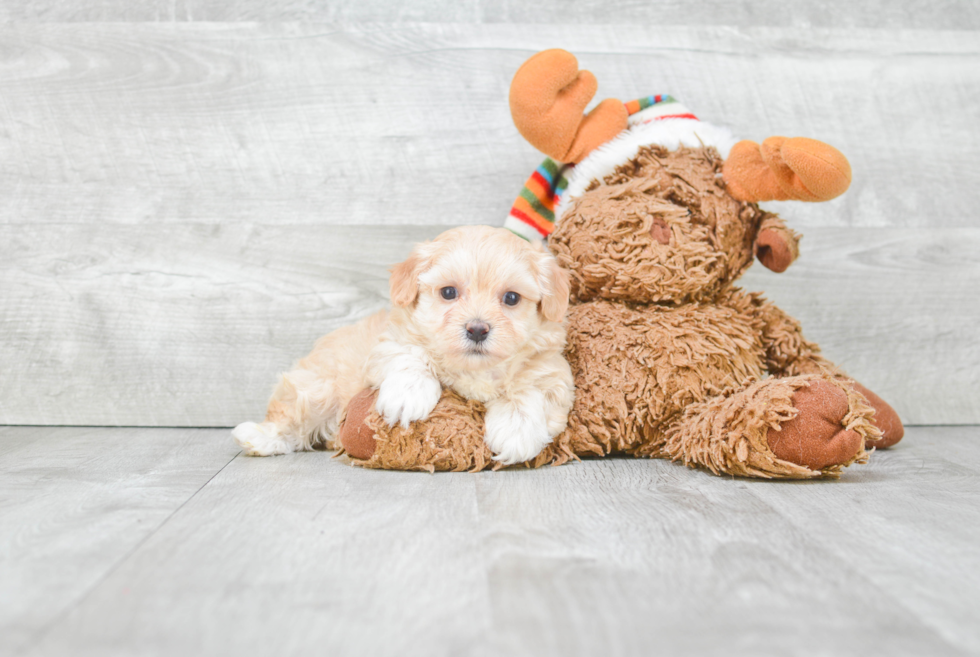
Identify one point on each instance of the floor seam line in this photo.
(867, 580)
(41, 633)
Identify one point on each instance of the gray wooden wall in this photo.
(192, 191)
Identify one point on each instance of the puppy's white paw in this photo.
(260, 439)
(404, 398)
(515, 436)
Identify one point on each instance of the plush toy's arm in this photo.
(788, 353)
(450, 439)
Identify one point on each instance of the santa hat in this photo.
(659, 120)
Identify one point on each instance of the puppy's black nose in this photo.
(477, 331)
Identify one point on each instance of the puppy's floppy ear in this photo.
(554, 283)
(405, 277)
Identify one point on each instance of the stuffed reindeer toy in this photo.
(654, 215)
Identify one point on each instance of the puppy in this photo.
(478, 310)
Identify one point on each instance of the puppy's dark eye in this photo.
(448, 293)
(512, 298)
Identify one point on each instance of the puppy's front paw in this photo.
(260, 439)
(404, 398)
(515, 436)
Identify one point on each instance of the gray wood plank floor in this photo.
(167, 542)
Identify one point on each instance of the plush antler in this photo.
(784, 169)
(547, 98)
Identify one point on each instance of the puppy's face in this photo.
(477, 295)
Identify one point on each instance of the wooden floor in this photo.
(169, 542)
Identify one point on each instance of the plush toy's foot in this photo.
(817, 438)
(784, 169)
(886, 419)
(797, 427)
(355, 434)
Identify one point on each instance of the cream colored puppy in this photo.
(478, 310)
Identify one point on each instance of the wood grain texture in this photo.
(944, 14)
(408, 124)
(187, 205)
(176, 325)
(292, 556)
(302, 554)
(188, 325)
(913, 561)
(895, 308)
(75, 502)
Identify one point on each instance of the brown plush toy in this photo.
(654, 214)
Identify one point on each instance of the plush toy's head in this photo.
(643, 202)
(664, 229)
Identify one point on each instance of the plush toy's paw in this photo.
(404, 398)
(515, 434)
(260, 439)
(886, 419)
(816, 437)
(355, 434)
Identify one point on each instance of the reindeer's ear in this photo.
(776, 246)
(547, 98)
(404, 279)
(555, 288)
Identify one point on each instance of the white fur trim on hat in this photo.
(669, 133)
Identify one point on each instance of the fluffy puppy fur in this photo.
(478, 310)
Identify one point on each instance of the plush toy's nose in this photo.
(477, 331)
